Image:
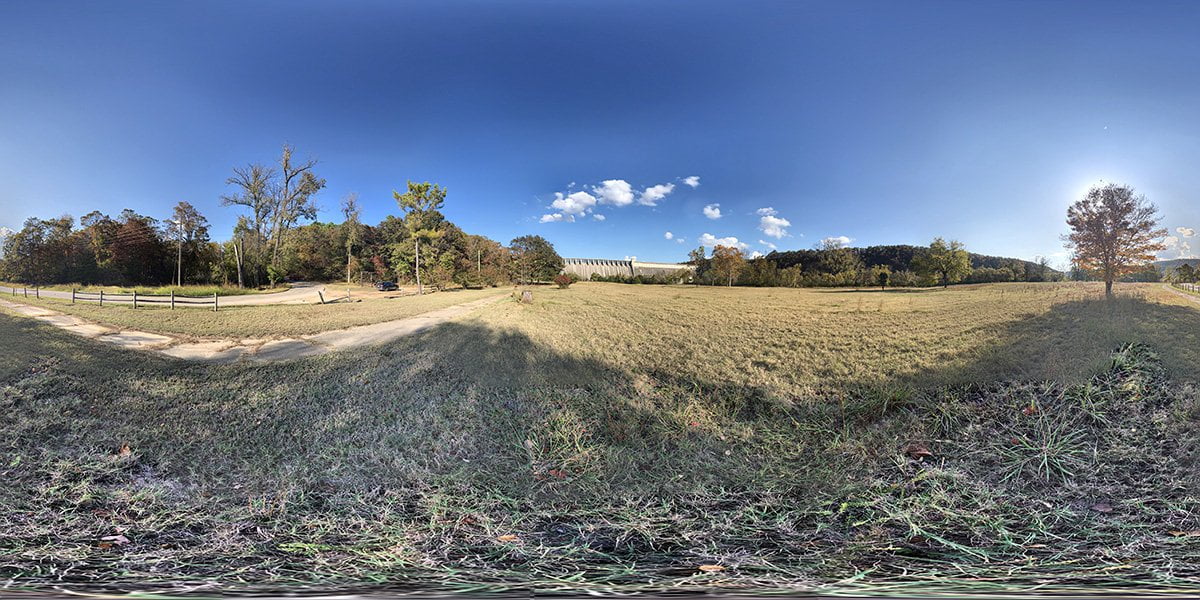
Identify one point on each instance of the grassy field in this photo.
(267, 321)
(181, 290)
(630, 438)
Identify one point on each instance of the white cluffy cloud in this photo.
(771, 224)
(756, 254)
(767, 244)
(668, 235)
(1181, 248)
(713, 211)
(616, 192)
(654, 193)
(709, 239)
(841, 241)
(569, 205)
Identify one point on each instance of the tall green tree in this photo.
(293, 196)
(421, 204)
(945, 262)
(353, 229)
(190, 230)
(699, 258)
(534, 259)
(253, 191)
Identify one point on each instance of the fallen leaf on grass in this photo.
(109, 541)
(1195, 533)
(557, 473)
(1032, 409)
(124, 450)
(1102, 507)
(508, 538)
(917, 450)
(711, 568)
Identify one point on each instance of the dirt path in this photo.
(1170, 287)
(258, 350)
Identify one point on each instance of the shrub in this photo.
(564, 280)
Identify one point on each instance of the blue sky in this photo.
(889, 122)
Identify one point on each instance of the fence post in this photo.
(25, 291)
(37, 292)
(321, 296)
(101, 297)
(347, 294)
(134, 299)
(72, 295)
(172, 298)
(214, 302)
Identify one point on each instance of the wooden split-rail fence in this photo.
(134, 298)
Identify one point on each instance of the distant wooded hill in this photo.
(1166, 266)
(899, 258)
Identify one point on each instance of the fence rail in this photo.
(1191, 287)
(133, 298)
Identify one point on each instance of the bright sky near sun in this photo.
(617, 128)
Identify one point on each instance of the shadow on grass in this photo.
(437, 444)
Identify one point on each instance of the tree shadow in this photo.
(493, 405)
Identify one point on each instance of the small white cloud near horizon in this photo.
(616, 192)
(1180, 247)
(1185, 231)
(841, 241)
(556, 218)
(599, 217)
(767, 244)
(654, 193)
(709, 239)
(668, 235)
(771, 224)
(692, 181)
(713, 211)
(756, 254)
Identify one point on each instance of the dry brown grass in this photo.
(789, 341)
(267, 321)
(611, 437)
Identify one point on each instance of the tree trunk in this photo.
(237, 258)
(1108, 288)
(349, 257)
(417, 244)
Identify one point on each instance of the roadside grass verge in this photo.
(267, 321)
(495, 453)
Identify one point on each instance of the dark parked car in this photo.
(386, 286)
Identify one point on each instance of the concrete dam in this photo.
(585, 268)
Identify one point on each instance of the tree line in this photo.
(835, 265)
(275, 238)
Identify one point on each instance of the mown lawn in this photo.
(629, 438)
(266, 321)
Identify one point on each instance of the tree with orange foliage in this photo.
(727, 263)
(1114, 232)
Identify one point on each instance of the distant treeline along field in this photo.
(275, 238)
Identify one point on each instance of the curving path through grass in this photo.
(259, 350)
